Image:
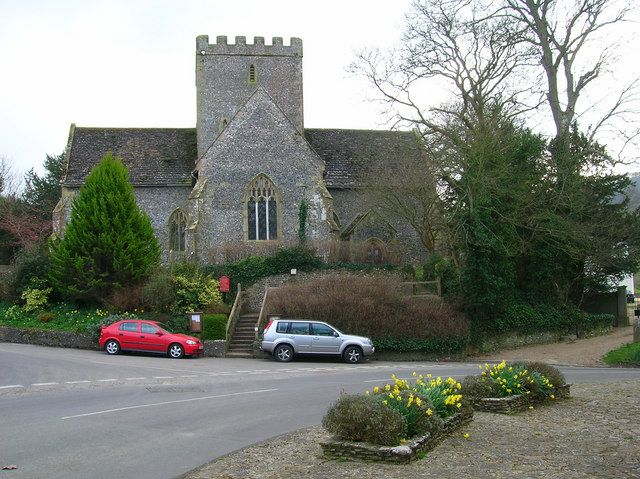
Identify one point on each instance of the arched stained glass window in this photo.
(262, 210)
(177, 231)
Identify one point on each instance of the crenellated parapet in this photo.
(241, 47)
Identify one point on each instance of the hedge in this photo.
(214, 326)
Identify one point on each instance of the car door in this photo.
(128, 335)
(298, 332)
(149, 340)
(324, 339)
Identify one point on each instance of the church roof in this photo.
(167, 156)
(153, 156)
(347, 153)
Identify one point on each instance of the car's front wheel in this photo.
(283, 353)
(352, 354)
(176, 351)
(112, 347)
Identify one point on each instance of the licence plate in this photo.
(200, 347)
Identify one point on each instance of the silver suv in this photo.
(284, 338)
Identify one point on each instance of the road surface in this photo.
(69, 414)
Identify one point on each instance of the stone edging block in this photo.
(518, 402)
(336, 449)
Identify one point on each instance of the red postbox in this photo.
(225, 284)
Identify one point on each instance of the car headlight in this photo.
(191, 342)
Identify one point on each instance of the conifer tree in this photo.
(109, 243)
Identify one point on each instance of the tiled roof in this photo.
(153, 156)
(166, 156)
(348, 152)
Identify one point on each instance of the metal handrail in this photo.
(262, 312)
(235, 310)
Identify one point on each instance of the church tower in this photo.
(228, 74)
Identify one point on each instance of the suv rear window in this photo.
(298, 328)
(282, 327)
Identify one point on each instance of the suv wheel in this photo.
(283, 353)
(352, 354)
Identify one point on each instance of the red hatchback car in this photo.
(143, 335)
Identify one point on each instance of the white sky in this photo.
(131, 63)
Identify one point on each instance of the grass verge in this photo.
(627, 355)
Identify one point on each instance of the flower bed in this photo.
(510, 388)
(395, 423)
(402, 454)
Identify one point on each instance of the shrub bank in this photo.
(403, 454)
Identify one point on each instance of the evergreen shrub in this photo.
(214, 326)
(109, 242)
(365, 418)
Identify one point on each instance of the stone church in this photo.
(239, 177)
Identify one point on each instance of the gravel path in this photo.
(582, 352)
(594, 434)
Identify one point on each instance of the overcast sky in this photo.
(132, 63)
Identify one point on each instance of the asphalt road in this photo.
(82, 414)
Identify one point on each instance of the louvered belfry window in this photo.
(262, 210)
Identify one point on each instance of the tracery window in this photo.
(262, 210)
(177, 231)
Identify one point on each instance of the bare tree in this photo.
(574, 41)
(460, 47)
(410, 193)
(9, 180)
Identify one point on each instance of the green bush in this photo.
(34, 299)
(214, 326)
(194, 289)
(441, 345)
(533, 317)
(365, 418)
(31, 268)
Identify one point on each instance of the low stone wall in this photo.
(519, 402)
(515, 340)
(58, 339)
(214, 348)
(67, 339)
(402, 454)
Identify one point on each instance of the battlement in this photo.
(240, 47)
